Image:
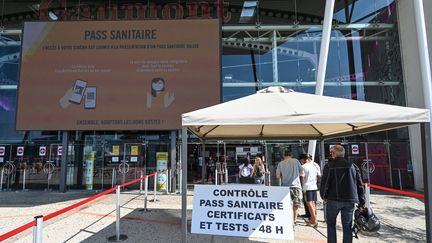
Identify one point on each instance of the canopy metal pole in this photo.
(203, 163)
(427, 178)
(184, 184)
(322, 150)
(427, 93)
(275, 58)
(171, 176)
(322, 62)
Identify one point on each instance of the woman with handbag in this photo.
(259, 170)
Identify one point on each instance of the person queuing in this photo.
(289, 171)
(341, 187)
(246, 172)
(259, 170)
(309, 178)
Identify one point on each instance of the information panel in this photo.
(111, 75)
(243, 210)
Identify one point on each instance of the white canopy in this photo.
(278, 113)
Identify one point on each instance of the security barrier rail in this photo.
(411, 194)
(39, 219)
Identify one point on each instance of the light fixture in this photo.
(248, 11)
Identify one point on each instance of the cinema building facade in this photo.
(373, 56)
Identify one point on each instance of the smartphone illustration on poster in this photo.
(78, 91)
(90, 98)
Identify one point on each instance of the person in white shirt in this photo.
(309, 178)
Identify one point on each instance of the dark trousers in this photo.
(332, 210)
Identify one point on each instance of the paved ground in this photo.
(402, 218)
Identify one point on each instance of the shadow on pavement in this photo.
(37, 198)
(158, 225)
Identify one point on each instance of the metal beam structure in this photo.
(310, 84)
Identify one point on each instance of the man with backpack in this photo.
(341, 187)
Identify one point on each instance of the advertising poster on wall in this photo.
(162, 164)
(134, 150)
(89, 163)
(117, 75)
(116, 150)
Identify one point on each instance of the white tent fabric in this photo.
(278, 113)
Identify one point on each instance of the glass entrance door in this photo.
(373, 160)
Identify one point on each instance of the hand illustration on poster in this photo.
(79, 91)
(157, 93)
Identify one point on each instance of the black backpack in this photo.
(365, 221)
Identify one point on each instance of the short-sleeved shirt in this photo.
(290, 170)
(245, 171)
(311, 171)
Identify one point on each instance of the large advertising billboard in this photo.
(116, 75)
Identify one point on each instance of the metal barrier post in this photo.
(179, 175)
(400, 179)
(9, 170)
(141, 181)
(267, 178)
(367, 194)
(118, 237)
(170, 182)
(145, 196)
(216, 176)
(49, 179)
(112, 177)
(226, 174)
(102, 179)
(123, 172)
(1, 180)
(24, 179)
(154, 188)
(37, 231)
(167, 180)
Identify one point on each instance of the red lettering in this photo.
(205, 10)
(178, 11)
(192, 10)
(44, 7)
(221, 11)
(128, 9)
(140, 9)
(150, 11)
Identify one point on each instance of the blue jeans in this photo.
(332, 210)
(259, 179)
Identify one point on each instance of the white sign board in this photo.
(42, 150)
(243, 210)
(59, 150)
(20, 151)
(355, 149)
(2, 151)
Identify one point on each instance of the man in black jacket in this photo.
(341, 188)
